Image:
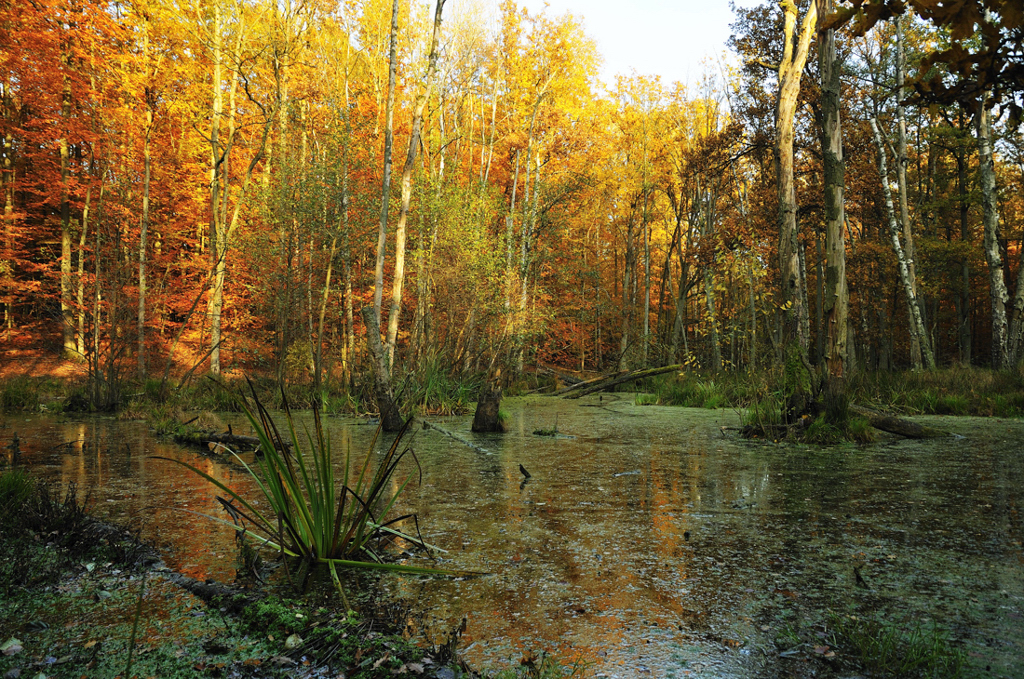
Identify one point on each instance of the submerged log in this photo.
(897, 425)
(428, 425)
(619, 378)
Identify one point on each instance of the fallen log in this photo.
(587, 383)
(203, 438)
(897, 425)
(613, 380)
(565, 377)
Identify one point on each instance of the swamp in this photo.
(647, 541)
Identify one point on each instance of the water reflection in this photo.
(650, 543)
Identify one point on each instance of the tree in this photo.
(790, 70)
(835, 304)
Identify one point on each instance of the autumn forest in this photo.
(294, 187)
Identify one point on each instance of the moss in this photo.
(273, 616)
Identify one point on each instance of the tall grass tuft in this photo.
(316, 520)
(19, 394)
(437, 389)
(891, 650)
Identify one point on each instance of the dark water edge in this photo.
(648, 540)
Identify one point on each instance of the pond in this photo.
(648, 541)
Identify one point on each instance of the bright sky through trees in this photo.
(653, 37)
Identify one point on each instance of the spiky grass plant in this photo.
(315, 519)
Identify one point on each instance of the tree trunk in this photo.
(1001, 356)
(963, 295)
(141, 320)
(66, 328)
(916, 351)
(216, 257)
(410, 164)
(790, 71)
(917, 325)
(7, 280)
(487, 418)
(390, 417)
(709, 294)
(896, 425)
(837, 297)
(385, 190)
(80, 296)
(620, 378)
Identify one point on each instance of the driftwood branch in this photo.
(615, 380)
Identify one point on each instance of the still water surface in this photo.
(649, 541)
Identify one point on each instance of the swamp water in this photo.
(649, 541)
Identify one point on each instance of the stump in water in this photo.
(487, 417)
(387, 406)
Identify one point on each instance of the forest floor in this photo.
(24, 354)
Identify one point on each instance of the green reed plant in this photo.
(315, 519)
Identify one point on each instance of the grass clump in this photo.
(436, 389)
(544, 666)
(893, 650)
(15, 489)
(959, 390)
(43, 531)
(313, 519)
(19, 394)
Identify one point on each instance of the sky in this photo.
(653, 37)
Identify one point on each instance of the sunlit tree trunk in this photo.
(217, 256)
(407, 170)
(901, 177)
(146, 175)
(80, 296)
(67, 329)
(7, 267)
(629, 262)
(388, 408)
(901, 258)
(385, 191)
(790, 71)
